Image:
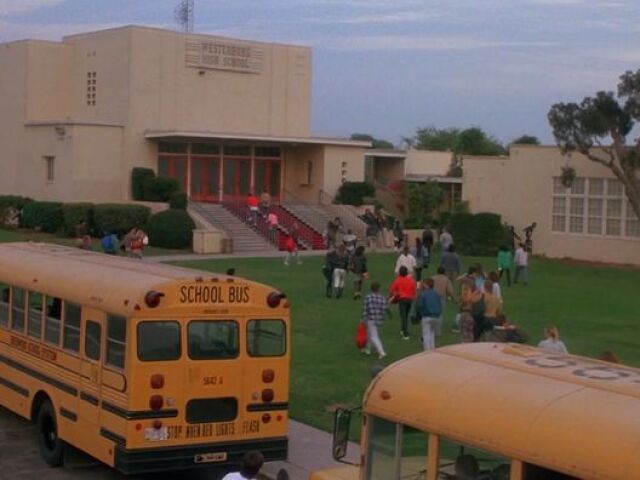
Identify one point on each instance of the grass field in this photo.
(594, 307)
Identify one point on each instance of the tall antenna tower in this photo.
(184, 15)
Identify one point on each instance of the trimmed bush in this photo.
(74, 213)
(119, 218)
(10, 204)
(171, 229)
(160, 189)
(138, 176)
(480, 234)
(353, 193)
(45, 216)
(178, 201)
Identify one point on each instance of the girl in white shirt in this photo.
(552, 342)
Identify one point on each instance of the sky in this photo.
(389, 67)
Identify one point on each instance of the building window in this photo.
(50, 167)
(91, 89)
(595, 206)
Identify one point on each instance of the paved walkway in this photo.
(309, 450)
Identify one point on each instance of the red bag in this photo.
(361, 335)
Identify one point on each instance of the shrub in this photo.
(422, 200)
(170, 229)
(74, 213)
(10, 204)
(138, 176)
(178, 201)
(45, 216)
(353, 193)
(479, 234)
(159, 189)
(119, 218)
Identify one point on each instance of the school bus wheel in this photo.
(51, 446)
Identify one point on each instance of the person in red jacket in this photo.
(403, 292)
(252, 203)
(291, 247)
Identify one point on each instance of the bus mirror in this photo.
(341, 427)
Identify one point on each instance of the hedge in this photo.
(477, 234)
(74, 213)
(353, 193)
(159, 189)
(119, 218)
(171, 229)
(12, 202)
(178, 201)
(45, 216)
(138, 176)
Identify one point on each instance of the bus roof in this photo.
(106, 282)
(573, 414)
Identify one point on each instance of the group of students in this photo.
(132, 243)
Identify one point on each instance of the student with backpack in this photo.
(109, 243)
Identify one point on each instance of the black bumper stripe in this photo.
(40, 376)
(138, 415)
(68, 414)
(267, 407)
(16, 388)
(114, 437)
(89, 398)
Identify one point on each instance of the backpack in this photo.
(107, 243)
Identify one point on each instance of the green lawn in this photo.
(31, 236)
(594, 307)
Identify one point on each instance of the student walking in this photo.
(521, 259)
(374, 309)
(450, 262)
(421, 255)
(403, 292)
(406, 260)
(358, 267)
(398, 235)
(431, 308)
(251, 464)
(444, 288)
(505, 262)
(291, 248)
(339, 270)
(446, 240)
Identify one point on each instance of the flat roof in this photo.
(172, 135)
(432, 178)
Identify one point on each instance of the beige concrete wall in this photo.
(388, 169)
(296, 166)
(427, 162)
(520, 188)
(342, 164)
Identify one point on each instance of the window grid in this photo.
(593, 206)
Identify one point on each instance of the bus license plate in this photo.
(210, 457)
(156, 434)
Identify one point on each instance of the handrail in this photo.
(355, 219)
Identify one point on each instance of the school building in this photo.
(223, 116)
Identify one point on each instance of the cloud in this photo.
(420, 43)
(393, 17)
(11, 7)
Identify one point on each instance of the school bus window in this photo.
(266, 338)
(213, 339)
(71, 330)
(396, 451)
(461, 461)
(34, 316)
(92, 338)
(158, 341)
(5, 300)
(116, 340)
(210, 410)
(18, 298)
(52, 320)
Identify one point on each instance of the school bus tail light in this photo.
(274, 299)
(267, 395)
(266, 418)
(157, 424)
(157, 381)
(156, 402)
(152, 298)
(268, 375)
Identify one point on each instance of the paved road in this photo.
(309, 449)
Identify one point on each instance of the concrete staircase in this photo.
(317, 216)
(245, 239)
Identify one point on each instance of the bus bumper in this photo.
(197, 456)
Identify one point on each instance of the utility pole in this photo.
(184, 15)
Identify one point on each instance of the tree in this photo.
(375, 142)
(422, 199)
(526, 140)
(470, 141)
(598, 128)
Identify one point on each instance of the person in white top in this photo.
(552, 342)
(445, 240)
(521, 259)
(495, 278)
(406, 260)
(251, 465)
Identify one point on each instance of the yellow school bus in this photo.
(145, 367)
(488, 411)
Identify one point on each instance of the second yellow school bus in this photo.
(145, 367)
(493, 411)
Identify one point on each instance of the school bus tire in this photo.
(51, 446)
